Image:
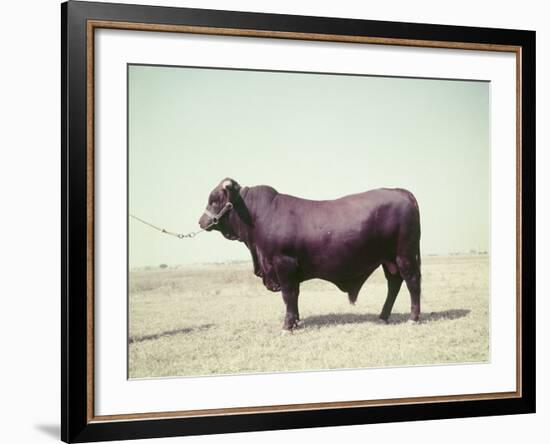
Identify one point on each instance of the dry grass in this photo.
(219, 319)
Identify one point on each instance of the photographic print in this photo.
(305, 221)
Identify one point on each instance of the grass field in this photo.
(219, 319)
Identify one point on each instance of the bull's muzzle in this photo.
(204, 223)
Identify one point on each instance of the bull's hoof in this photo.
(413, 321)
(382, 321)
(285, 332)
(286, 329)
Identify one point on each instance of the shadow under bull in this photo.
(332, 319)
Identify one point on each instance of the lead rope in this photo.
(170, 233)
(215, 219)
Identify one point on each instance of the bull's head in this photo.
(220, 204)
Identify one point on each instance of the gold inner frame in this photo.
(95, 24)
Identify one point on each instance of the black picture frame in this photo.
(77, 425)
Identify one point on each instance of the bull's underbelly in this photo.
(342, 263)
(339, 258)
(337, 272)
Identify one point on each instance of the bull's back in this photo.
(374, 214)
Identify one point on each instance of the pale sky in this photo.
(316, 136)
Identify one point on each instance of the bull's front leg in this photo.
(286, 269)
(290, 298)
(256, 262)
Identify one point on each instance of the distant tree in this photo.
(163, 266)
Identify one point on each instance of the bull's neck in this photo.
(241, 218)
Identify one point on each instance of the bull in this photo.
(292, 240)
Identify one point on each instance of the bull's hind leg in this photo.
(394, 285)
(409, 267)
(287, 271)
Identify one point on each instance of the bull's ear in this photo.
(230, 185)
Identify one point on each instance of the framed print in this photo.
(275, 221)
